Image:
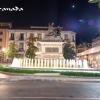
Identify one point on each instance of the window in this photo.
(39, 46)
(66, 36)
(0, 40)
(12, 36)
(1, 33)
(39, 36)
(73, 39)
(21, 36)
(52, 50)
(32, 34)
(21, 46)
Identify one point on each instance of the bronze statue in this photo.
(54, 31)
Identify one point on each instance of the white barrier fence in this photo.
(50, 63)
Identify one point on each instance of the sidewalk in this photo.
(50, 78)
(3, 75)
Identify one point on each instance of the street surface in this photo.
(49, 88)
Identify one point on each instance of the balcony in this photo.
(11, 38)
(1, 33)
(21, 50)
(0, 39)
(21, 39)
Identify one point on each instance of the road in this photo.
(49, 90)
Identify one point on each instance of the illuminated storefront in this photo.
(92, 55)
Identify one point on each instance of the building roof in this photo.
(5, 25)
(90, 51)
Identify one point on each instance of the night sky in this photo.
(75, 15)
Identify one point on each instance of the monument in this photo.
(50, 53)
(52, 43)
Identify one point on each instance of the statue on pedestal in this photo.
(54, 31)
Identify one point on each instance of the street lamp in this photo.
(95, 1)
(3, 49)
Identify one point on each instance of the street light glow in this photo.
(3, 49)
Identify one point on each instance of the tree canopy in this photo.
(32, 49)
(12, 50)
(68, 51)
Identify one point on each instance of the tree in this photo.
(11, 51)
(68, 51)
(30, 52)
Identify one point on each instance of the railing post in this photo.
(67, 63)
(45, 63)
(38, 62)
(64, 63)
(35, 63)
(29, 62)
(32, 63)
(41, 63)
(57, 63)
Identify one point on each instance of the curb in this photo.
(50, 78)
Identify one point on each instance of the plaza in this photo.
(49, 49)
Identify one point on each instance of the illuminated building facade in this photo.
(50, 46)
(93, 54)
